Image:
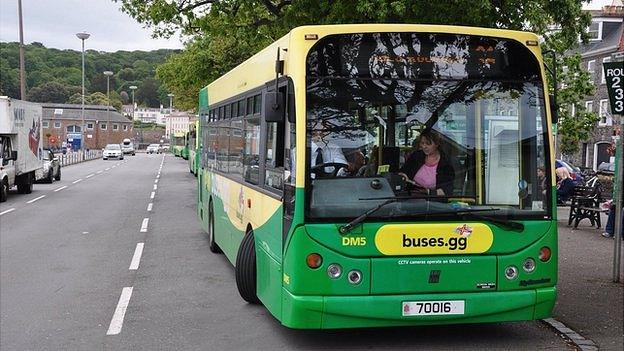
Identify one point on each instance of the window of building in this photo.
(103, 126)
(591, 65)
(603, 79)
(604, 113)
(57, 124)
(89, 126)
(595, 31)
(125, 127)
(115, 126)
(45, 124)
(589, 106)
(73, 129)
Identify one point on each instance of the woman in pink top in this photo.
(428, 169)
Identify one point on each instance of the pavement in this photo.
(589, 302)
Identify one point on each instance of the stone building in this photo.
(606, 45)
(61, 126)
(178, 122)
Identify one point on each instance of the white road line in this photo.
(144, 225)
(155, 180)
(61, 188)
(106, 169)
(158, 176)
(155, 186)
(7, 211)
(35, 199)
(89, 176)
(152, 195)
(136, 259)
(149, 207)
(114, 166)
(100, 171)
(77, 181)
(118, 317)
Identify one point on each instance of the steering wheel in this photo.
(319, 169)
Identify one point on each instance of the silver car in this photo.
(112, 151)
(51, 167)
(154, 149)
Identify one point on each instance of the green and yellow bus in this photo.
(344, 239)
(192, 145)
(178, 143)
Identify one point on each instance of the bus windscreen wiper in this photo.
(347, 227)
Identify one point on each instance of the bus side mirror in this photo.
(554, 109)
(14, 155)
(274, 107)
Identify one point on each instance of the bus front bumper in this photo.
(330, 312)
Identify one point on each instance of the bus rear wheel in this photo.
(246, 269)
(212, 245)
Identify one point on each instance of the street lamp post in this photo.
(170, 95)
(108, 74)
(83, 36)
(133, 88)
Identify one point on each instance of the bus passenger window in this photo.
(251, 158)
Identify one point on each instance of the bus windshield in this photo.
(447, 121)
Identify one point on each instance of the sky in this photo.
(56, 22)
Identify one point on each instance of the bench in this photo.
(585, 204)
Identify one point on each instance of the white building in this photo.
(148, 114)
(178, 122)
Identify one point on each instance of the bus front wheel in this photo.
(246, 269)
(212, 245)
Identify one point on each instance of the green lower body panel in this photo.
(329, 312)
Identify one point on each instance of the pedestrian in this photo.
(565, 185)
(610, 226)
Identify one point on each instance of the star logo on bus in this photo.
(406, 308)
(464, 230)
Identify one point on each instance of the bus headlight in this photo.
(528, 265)
(334, 271)
(354, 276)
(511, 272)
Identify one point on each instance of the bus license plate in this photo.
(433, 308)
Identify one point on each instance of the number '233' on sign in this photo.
(614, 75)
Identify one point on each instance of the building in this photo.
(606, 45)
(147, 114)
(61, 126)
(178, 122)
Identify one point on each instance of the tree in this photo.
(49, 92)
(226, 32)
(125, 99)
(147, 93)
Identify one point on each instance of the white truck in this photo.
(20, 145)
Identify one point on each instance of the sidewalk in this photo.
(589, 301)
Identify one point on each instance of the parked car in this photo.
(127, 147)
(165, 147)
(112, 151)
(154, 148)
(575, 172)
(51, 167)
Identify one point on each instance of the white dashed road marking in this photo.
(144, 225)
(155, 186)
(136, 259)
(35, 199)
(89, 176)
(100, 171)
(7, 211)
(152, 195)
(106, 169)
(118, 317)
(61, 188)
(149, 207)
(77, 181)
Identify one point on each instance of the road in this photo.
(71, 259)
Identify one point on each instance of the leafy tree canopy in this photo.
(45, 66)
(223, 33)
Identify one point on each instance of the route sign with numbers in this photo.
(614, 74)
